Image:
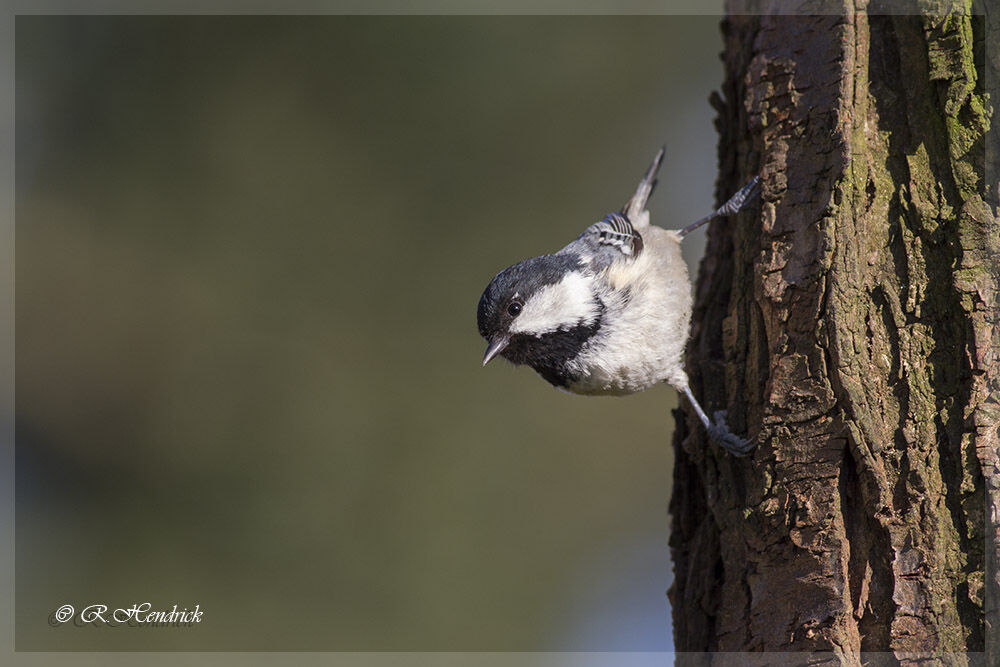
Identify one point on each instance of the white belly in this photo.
(641, 342)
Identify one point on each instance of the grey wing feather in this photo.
(615, 237)
(611, 238)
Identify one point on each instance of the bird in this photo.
(608, 314)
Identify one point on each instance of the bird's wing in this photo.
(616, 236)
(610, 239)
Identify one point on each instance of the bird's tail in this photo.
(636, 205)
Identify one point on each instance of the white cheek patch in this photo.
(562, 305)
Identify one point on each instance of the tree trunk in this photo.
(849, 325)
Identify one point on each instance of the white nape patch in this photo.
(561, 305)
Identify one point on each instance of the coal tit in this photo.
(609, 313)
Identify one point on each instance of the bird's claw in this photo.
(729, 441)
(744, 194)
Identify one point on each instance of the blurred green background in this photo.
(249, 252)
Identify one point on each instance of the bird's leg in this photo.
(718, 430)
(735, 203)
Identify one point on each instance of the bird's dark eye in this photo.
(514, 309)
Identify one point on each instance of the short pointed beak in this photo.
(495, 348)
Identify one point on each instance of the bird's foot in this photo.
(729, 441)
(742, 196)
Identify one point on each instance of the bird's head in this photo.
(539, 312)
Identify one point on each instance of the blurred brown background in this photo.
(249, 252)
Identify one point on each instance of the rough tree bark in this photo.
(849, 324)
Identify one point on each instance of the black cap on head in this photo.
(516, 284)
